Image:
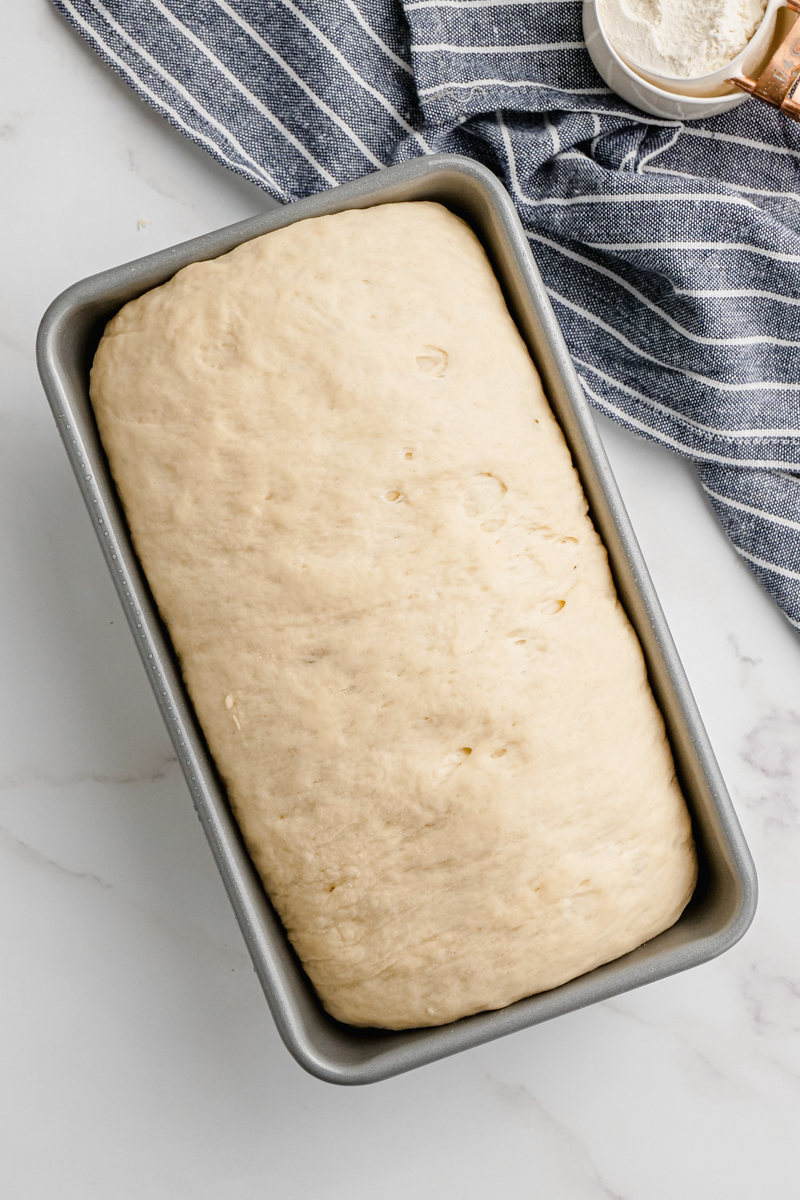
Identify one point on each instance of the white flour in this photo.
(682, 38)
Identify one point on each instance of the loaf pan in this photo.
(724, 901)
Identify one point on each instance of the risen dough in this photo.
(397, 625)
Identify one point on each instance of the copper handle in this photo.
(776, 82)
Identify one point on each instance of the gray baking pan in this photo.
(725, 899)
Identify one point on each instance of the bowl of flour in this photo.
(673, 58)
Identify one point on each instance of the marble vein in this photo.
(520, 1097)
(146, 910)
(697, 1065)
(42, 859)
(773, 1001)
(745, 659)
(71, 779)
(772, 750)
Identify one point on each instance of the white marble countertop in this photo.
(139, 1059)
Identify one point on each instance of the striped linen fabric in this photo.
(671, 251)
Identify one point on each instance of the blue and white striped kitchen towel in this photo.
(671, 251)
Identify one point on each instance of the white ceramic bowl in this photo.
(750, 61)
(681, 99)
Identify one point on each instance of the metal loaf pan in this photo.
(725, 899)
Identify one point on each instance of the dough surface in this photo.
(362, 527)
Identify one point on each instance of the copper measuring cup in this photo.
(777, 81)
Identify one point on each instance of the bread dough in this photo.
(397, 625)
